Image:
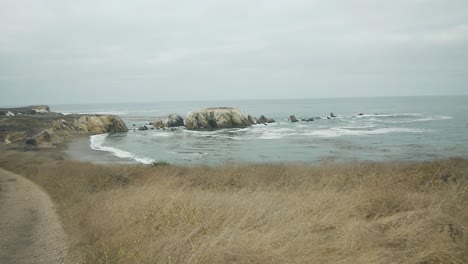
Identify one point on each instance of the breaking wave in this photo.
(97, 143)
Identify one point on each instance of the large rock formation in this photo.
(213, 118)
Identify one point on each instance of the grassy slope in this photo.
(330, 213)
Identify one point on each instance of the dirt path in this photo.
(30, 230)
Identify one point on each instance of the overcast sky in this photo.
(57, 51)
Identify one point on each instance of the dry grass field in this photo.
(325, 213)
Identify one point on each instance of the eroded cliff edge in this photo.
(39, 127)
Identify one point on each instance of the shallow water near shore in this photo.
(389, 129)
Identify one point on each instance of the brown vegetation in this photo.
(329, 213)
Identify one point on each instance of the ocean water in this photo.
(390, 129)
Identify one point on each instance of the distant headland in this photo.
(37, 126)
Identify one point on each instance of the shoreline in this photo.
(78, 148)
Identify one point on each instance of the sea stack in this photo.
(215, 118)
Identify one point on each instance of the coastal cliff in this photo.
(38, 126)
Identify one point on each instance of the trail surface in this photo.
(30, 230)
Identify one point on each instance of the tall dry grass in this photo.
(328, 213)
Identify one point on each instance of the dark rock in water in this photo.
(293, 118)
(332, 115)
(174, 120)
(317, 118)
(134, 125)
(264, 120)
(361, 114)
(309, 119)
(328, 117)
(151, 123)
(143, 128)
(152, 128)
(251, 120)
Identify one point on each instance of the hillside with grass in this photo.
(358, 212)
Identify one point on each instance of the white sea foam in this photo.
(271, 135)
(365, 127)
(391, 115)
(97, 143)
(433, 118)
(197, 154)
(161, 134)
(277, 133)
(338, 132)
(424, 119)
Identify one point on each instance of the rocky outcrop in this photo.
(250, 119)
(14, 137)
(293, 118)
(90, 124)
(159, 124)
(37, 126)
(61, 130)
(214, 118)
(174, 120)
(264, 120)
(47, 139)
(41, 109)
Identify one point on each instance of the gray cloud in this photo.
(111, 51)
